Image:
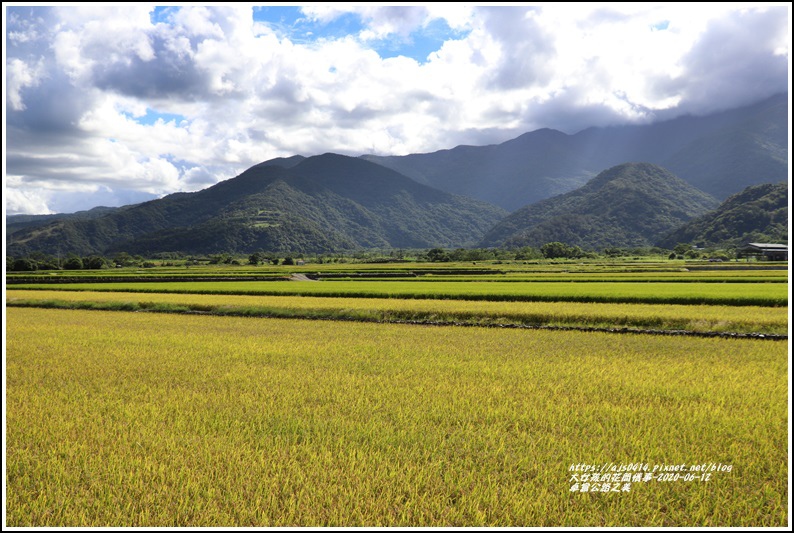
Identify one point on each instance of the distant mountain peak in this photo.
(629, 205)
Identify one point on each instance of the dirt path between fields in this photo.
(300, 277)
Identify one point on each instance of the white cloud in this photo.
(197, 22)
(27, 201)
(18, 76)
(199, 177)
(734, 60)
(457, 17)
(21, 36)
(68, 54)
(79, 93)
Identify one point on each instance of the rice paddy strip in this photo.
(220, 421)
(581, 278)
(741, 294)
(696, 318)
(684, 276)
(742, 276)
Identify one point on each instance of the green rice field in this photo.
(728, 293)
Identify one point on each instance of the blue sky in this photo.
(293, 24)
(152, 116)
(106, 104)
(290, 22)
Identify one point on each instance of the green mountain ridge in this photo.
(721, 154)
(319, 204)
(629, 205)
(15, 223)
(757, 214)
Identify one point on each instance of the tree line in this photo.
(552, 250)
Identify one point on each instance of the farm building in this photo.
(764, 251)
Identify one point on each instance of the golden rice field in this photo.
(698, 318)
(144, 419)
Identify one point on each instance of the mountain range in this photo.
(554, 183)
(720, 154)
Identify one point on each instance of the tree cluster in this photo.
(40, 261)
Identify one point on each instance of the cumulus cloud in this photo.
(20, 75)
(108, 99)
(735, 60)
(526, 49)
(23, 201)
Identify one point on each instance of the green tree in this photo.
(73, 263)
(222, 259)
(437, 255)
(95, 262)
(24, 264)
(45, 262)
(554, 250)
(527, 252)
(460, 254)
(479, 254)
(614, 251)
(123, 259)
